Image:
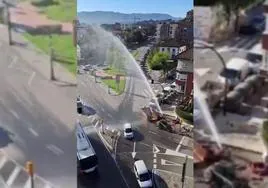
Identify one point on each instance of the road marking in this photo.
(153, 132)
(145, 144)
(109, 115)
(155, 149)
(154, 154)
(3, 161)
(180, 144)
(155, 161)
(31, 78)
(169, 163)
(154, 166)
(13, 176)
(14, 114)
(54, 149)
(33, 132)
(13, 61)
(134, 150)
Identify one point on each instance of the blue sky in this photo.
(176, 8)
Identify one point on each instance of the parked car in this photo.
(258, 22)
(142, 174)
(247, 30)
(128, 131)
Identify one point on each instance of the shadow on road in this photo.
(159, 182)
(138, 137)
(5, 137)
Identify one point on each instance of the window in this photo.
(168, 49)
(163, 49)
(182, 77)
(182, 88)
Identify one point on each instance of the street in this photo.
(108, 174)
(29, 126)
(156, 147)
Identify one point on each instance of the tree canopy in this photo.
(158, 60)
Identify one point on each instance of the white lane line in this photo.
(54, 149)
(155, 166)
(13, 61)
(33, 132)
(180, 144)
(31, 78)
(134, 150)
(14, 114)
(154, 154)
(13, 176)
(155, 161)
(3, 161)
(142, 143)
(152, 132)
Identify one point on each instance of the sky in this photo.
(176, 8)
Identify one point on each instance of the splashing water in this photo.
(202, 104)
(101, 44)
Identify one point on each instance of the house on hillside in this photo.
(184, 78)
(172, 47)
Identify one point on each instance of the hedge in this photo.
(184, 114)
(265, 131)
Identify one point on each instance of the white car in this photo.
(128, 131)
(142, 174)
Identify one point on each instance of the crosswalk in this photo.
(246, 43)
(13, 175)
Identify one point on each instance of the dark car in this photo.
(247, 30)
(258, 22)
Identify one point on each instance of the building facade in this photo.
(184, 78)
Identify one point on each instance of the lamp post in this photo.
(8, 22)
(30, 171)
(199, 44)
(52, 74)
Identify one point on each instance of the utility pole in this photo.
(184, 171)
(29, 168)
(52, 74)
(8, 22)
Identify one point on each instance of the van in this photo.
(142, 174)
(128, 132)
(237, 69)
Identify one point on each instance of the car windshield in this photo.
(145, 177)
(230, 73)
(128, 130)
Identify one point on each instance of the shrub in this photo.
(184, 113)
(265, 131)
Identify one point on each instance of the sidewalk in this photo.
(164, 179)
(57, 96)
(17, 176)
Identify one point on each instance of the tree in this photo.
(265, 139)
(159, 61)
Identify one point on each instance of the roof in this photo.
(236, 63)
(187, 54)
(141, 167)
(169, 43)
(185, 66)
(84, 147)
(199, 153)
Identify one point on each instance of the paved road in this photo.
(156, 147)
(35, 132)
(108, 173)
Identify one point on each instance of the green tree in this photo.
(159, 61)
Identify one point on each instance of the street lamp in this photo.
(8, 22)
(52, 74)
(199, 44)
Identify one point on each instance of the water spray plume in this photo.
(208, 120)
